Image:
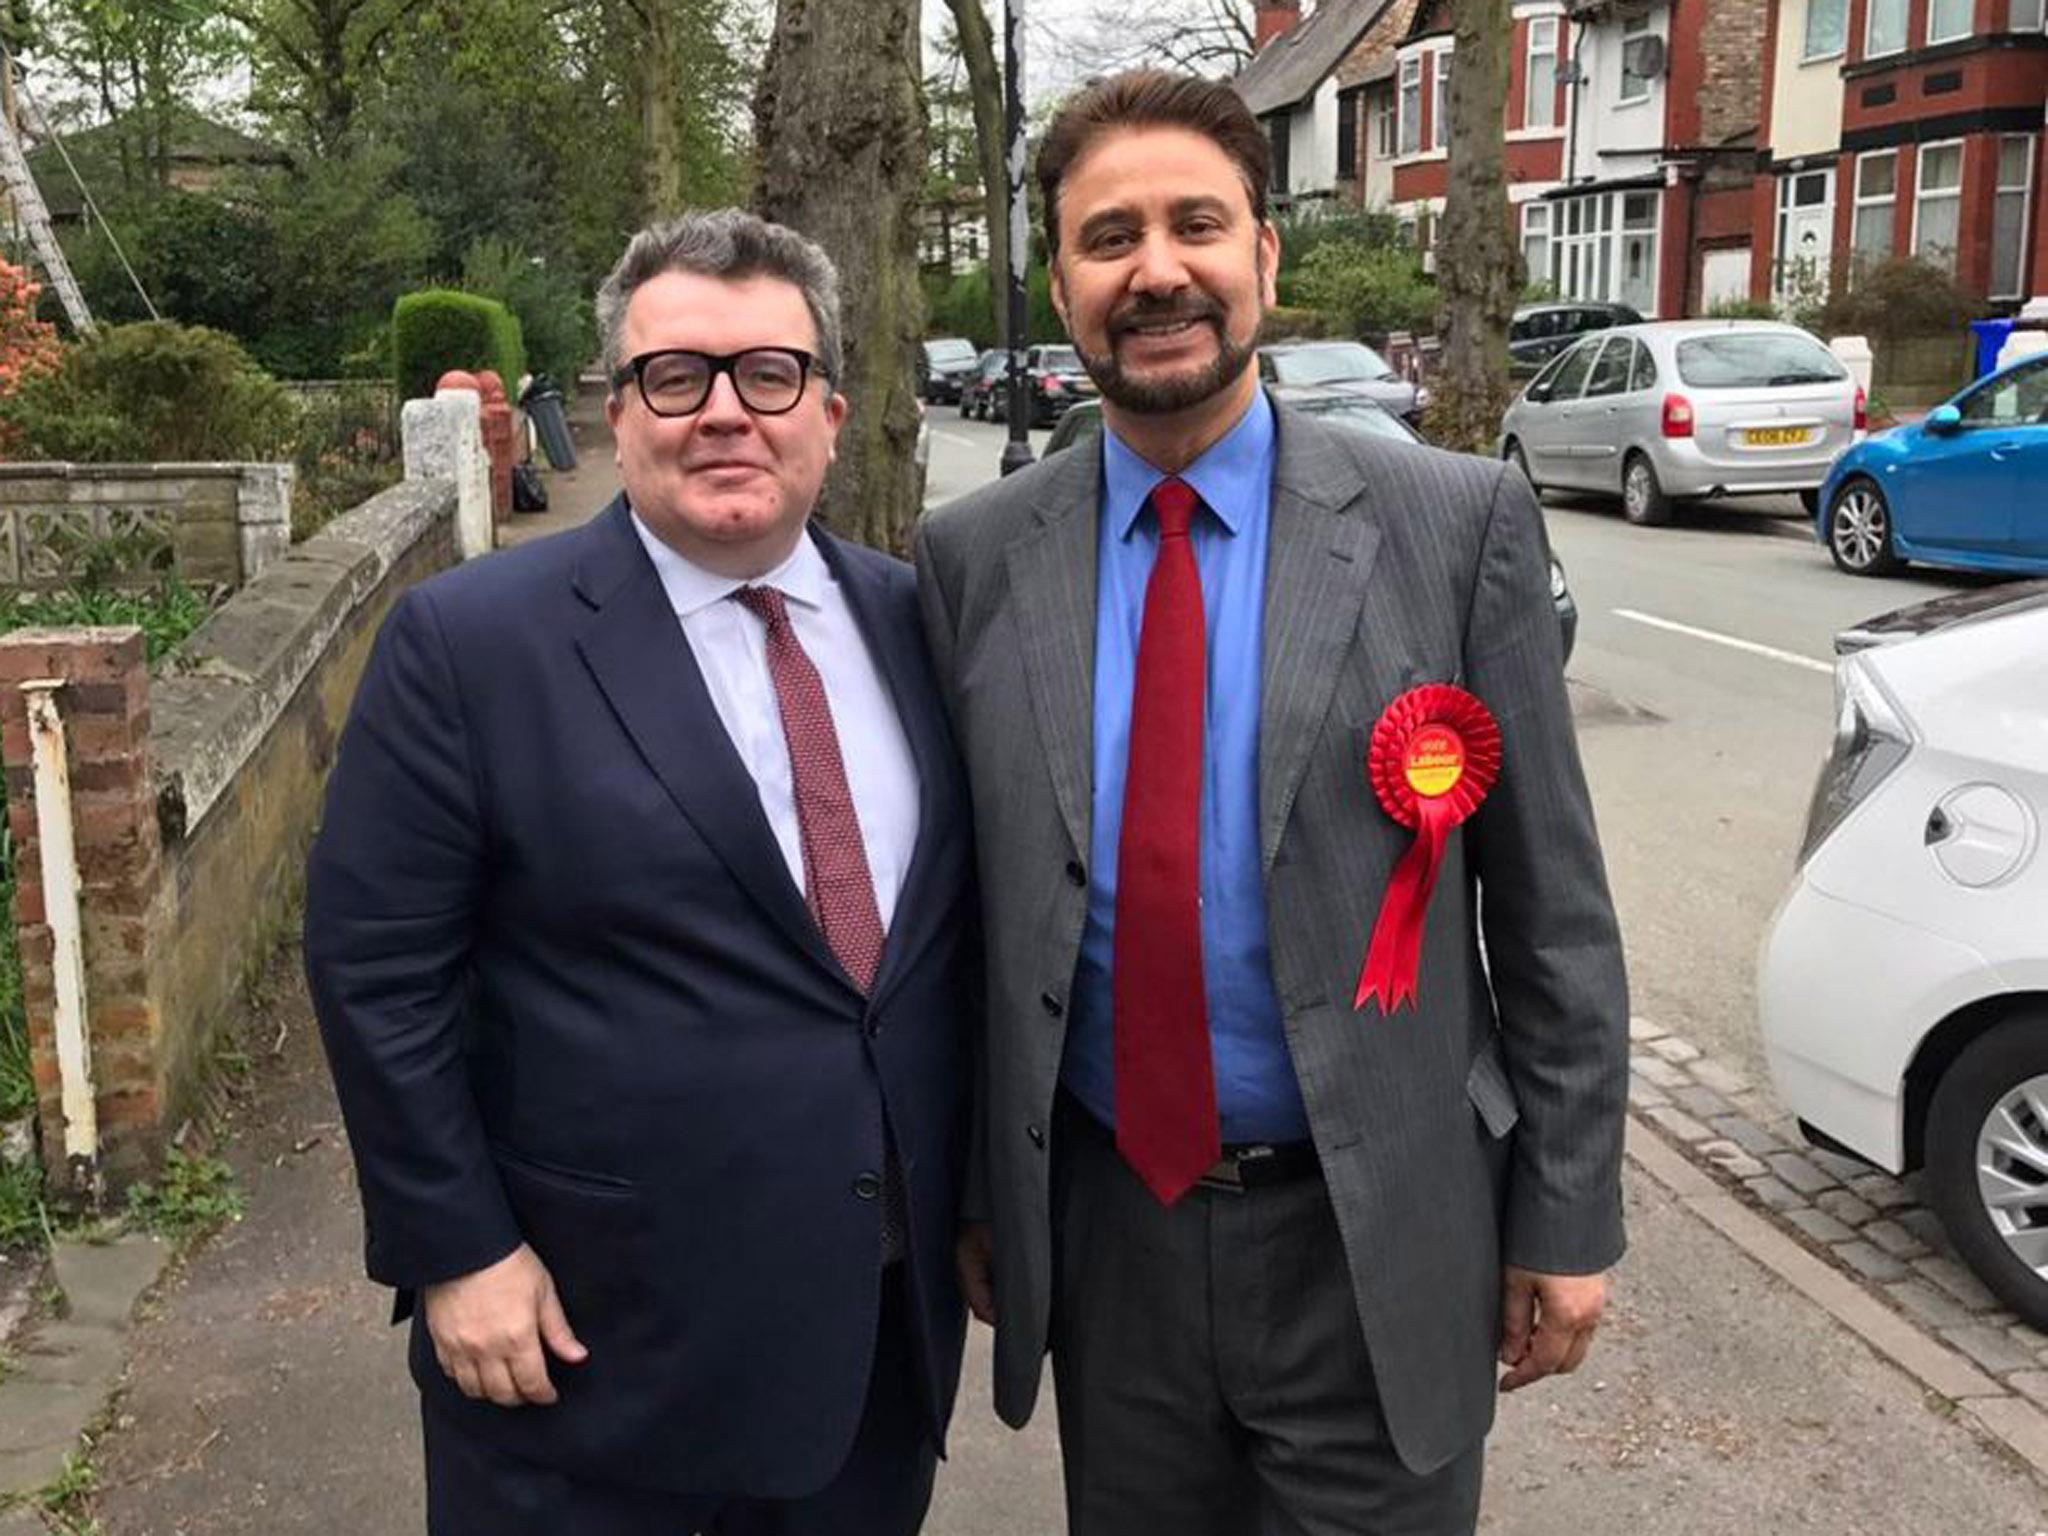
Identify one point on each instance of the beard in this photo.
(1175, 391)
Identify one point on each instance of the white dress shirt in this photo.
(731, 647)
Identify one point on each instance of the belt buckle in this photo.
(1223, 1174)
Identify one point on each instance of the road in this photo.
(266, 1398)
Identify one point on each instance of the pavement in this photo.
(574, 495)
(1760, 1371)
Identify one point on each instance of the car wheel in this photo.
(1520, 460)
(1987, 1161)
(1860, 530)
(1643, 501)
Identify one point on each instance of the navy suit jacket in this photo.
(571, 996)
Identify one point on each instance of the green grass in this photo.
(192, 1196)
(167, 612)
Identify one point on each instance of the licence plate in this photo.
(1777, 437)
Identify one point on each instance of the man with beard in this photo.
(1278, 1160)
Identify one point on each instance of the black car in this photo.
(1346, 367)
(1540, 331)
(980, 389)
(944, 364)
(1344, 409)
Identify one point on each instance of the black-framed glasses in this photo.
(677, 381)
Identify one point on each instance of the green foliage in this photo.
(152, 392)
(1742, 309)
(204, 260)
(1367, 289)
(1285, 323)
(166, 613)
(193, 1195)
(1896, 299)
(21, 1201)
(555, 318)
(964, 306)
(438, 329)
(348, 451)
(1302, 235)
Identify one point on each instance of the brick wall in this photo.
(1732, 47)
(194, 795)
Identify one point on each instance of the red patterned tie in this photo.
(837, 887)
(1165, 1079)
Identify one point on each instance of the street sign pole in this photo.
(1017, 451)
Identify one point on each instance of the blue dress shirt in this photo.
(1257, 1096)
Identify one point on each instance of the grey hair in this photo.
(727, 243)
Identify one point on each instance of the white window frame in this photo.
(1832, 47)
(1386, 115)
(1440, 93)
(1969, 21)
(2033, 19)
(1788, 183)
(1530, 211)
(1633, 27)
(2026, 192)
(1546, 77)
(1921, 197)
(1905, 11)
(1858, 202)
(1589, 239)
(1410, 78)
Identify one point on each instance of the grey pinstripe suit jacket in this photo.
(1483, 1125)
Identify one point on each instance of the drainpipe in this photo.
(67, 936)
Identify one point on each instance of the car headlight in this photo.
(1557, 586)
(1871, 739)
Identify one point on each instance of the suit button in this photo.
(867, 1186)
(1077, 873)
(871, 1028)
(1052, 1005)
(1037, 1135)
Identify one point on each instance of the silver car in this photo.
(1677, 410)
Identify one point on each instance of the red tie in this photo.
(837, 888)
(1165, 1079)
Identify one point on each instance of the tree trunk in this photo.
(840, 136)
(661, 92)
(985, 91)
(1478, 266)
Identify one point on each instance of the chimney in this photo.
(1273, 18)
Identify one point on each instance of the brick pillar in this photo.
(104, 704)
(499, 442)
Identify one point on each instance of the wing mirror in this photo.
(1943, 420)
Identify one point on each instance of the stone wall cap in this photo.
(71, 634)
(54, 469)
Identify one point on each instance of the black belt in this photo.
(1256, 1164)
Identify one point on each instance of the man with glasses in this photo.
(636, 934)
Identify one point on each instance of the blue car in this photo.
(1966, 488)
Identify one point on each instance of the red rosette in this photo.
(1434, 755)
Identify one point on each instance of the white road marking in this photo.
(1733, 642)
(955, 438)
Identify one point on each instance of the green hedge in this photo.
(439, 329)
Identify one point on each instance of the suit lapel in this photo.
(1052, 575)
(636, 651)
(1324, 539)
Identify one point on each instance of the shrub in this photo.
(438, 329)
(1361, 288)
(1303, 234)
(555, 319)
(1742, 309)
(1284, 324)
(152, 392)
(1901, 298)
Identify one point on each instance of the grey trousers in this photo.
(1211, 1374)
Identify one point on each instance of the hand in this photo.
(974, 1255)
(1547, 1323)
(488, 1329)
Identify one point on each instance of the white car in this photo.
(1904, 980)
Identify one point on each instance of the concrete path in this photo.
(575, 495)
(266, 1396)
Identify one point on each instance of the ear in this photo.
(836, 408)
(1269, 264)
(1057, 284)
(613, 409)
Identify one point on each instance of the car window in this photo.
(1084, 421)
(1609, 375)
(1362, 416)
(1059, 359)
(1329, 364)
(1642, 372)
(1537, 327)
(1756, 360)
(949, 350)
(1577, 364)
(2011, 400)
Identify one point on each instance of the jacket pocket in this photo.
(1487, 1086)
(591, 1230)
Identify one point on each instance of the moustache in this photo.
(1164, 314)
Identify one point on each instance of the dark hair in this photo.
(1153, 98)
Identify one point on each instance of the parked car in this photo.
(944, 364)
(1673, 411)
(1902, 983)
(1967, 487)
(1085, 421)
(1539, 332)
(1053, 375)
(1351, 366)
(983, 385)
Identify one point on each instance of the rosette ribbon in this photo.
(1434, 754)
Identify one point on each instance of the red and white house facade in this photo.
(1904, 128)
